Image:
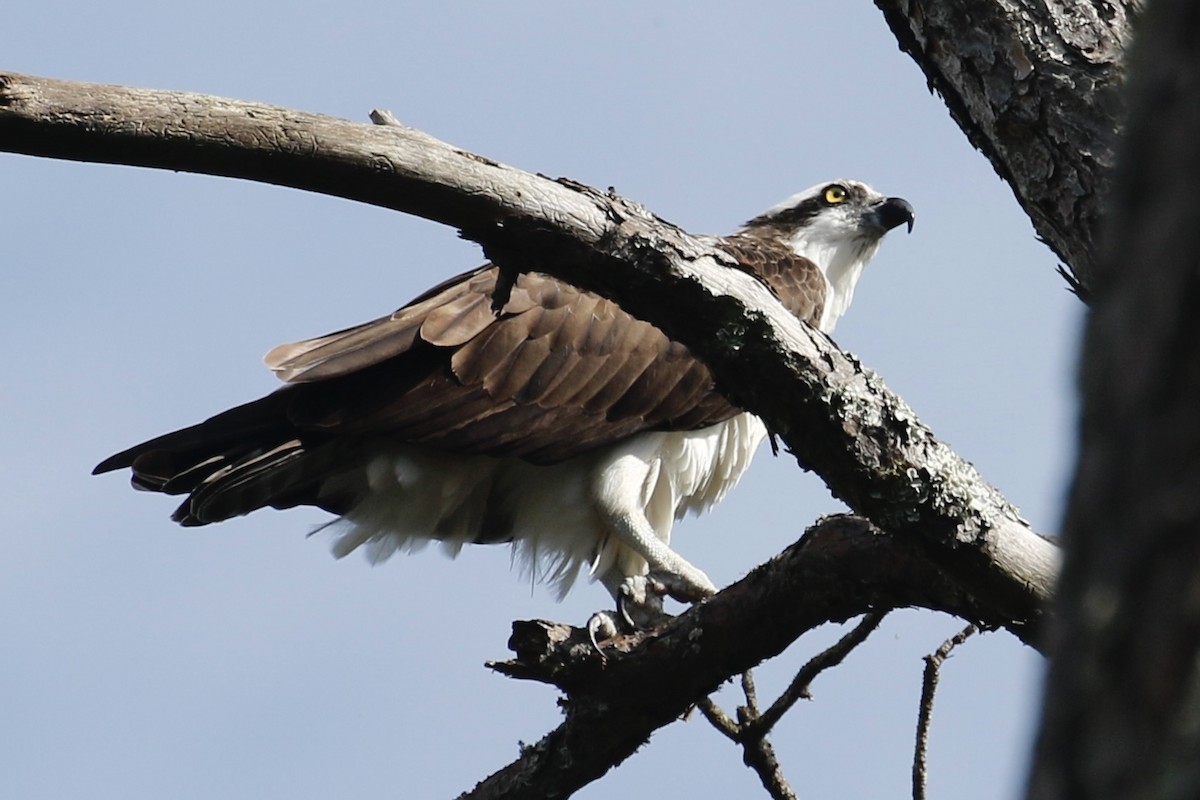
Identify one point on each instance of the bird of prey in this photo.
(559, 424)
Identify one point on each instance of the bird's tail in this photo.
(247, 458)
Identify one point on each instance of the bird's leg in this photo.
(622, 490)
(671, 571)
(640, 597)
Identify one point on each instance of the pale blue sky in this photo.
(241, 661)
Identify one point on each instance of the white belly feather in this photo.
(554, 513)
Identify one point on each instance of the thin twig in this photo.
(719, 719)
(751, 728)
(760, 757)
(750, 692)
(933, 665)
(757, 752)
(798, 689)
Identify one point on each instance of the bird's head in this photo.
(838, 225)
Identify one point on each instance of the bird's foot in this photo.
(639, 606)
(688, 585)
(602, 626)
(640, 601)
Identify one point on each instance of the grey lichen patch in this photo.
(895, 416)
(856, 401)
(905, 422)
(867, 405)
(957, 490)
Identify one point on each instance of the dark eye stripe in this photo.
(798, 215)
(794, 216)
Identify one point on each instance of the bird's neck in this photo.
(841, 262)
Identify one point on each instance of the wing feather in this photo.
(558, 373)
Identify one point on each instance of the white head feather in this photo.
(838, 225)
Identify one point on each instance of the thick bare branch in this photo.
(384, 165)
(835, 415)
(1035, 85)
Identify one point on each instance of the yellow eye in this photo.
(835, 194)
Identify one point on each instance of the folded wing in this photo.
(558, 373)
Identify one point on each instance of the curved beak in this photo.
(891, 212)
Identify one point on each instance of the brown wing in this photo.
(559, 373)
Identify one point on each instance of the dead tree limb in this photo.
(929, 682)
(841, 568)
(1036, 87)
(753, 725)
(388, 166)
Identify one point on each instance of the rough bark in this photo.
(1036, 86)
(389, 166)
(1123, 700)
(841, 568)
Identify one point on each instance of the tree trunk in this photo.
(1036, 86)
(1122, 709)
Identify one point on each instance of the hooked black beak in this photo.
(891, 212)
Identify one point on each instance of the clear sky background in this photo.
(141, 660)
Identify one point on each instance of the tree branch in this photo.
(757, 752)
(800, 687)
(391, 166)
(929, 682)
(1036, 86)
(842, 567)
(753, 726)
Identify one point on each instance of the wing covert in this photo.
(560, 371)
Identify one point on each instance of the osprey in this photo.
(560, 424)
